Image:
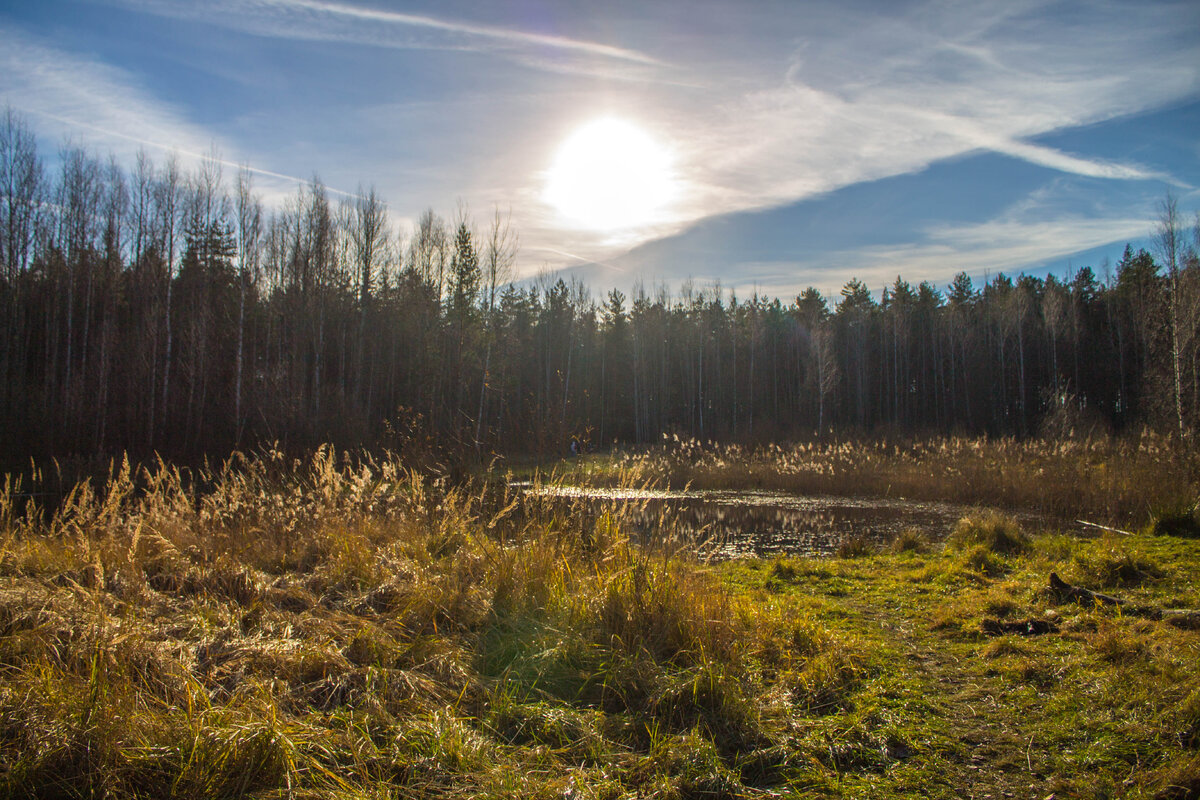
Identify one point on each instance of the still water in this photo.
(732, 524)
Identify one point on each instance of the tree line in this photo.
(154, 309)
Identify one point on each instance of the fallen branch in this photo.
(1103, 527)
(1023, 627)
(1183, 618)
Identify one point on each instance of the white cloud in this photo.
(326, 20)
(72, 95)
(508, 36)
(883, 94)
(785, 144)
(780, 104)
(98, 106)
(1002, 245)
(877, 98)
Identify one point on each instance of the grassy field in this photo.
(956, 698)
(345, 628)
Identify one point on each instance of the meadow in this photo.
(343, 626)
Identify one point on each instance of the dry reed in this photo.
(337, 625)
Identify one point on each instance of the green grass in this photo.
(1106, 706)
(343, 627)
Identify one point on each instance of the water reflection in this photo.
(729, 524)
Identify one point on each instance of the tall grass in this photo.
(343, 626)
(1126, 481)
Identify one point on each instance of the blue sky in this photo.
(795, 143)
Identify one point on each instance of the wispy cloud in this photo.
(1065, 162)
(763, 105)
(994, 246)
(326, 20)
(877, 96)
(975, 135)
(895, 90)
(581, 259)
(76, 94)
(504, 35)
(97, 105)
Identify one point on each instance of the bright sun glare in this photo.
(610, 175)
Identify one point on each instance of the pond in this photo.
(733, 524)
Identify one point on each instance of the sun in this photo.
(610, 175)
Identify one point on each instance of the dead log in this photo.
(1064, 592)
(1183, 618)
(1021, 627)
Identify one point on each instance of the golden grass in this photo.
(991, 530)
(1122, 481)
(345, 627)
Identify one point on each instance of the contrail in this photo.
(613, 267)
(176, 149)
(485, 31)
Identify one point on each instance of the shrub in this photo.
(982, 560)
(824, 684)
(1117, 646)
(910, 540)
(1121, 568)
(1188, 716)
(330, 626)
(1181, 522)
(995, 532)
(1179, 780)
(855, 547)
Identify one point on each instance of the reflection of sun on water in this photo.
(610, 175)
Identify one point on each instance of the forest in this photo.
(153, 309)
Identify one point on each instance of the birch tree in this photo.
(248, 209)
(1168, 240)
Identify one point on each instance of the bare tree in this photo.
(78, 203)
(141, 206)
(1168, 240)
(1189, 306)
(203, 206)
(499, 257)
(429, 251)
(828, 373)
(116, 209)
(317, 258)
(21, 186)
(249, 234)
(366, 222)
(21, 189)
(1054, 312)
(169, 191)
